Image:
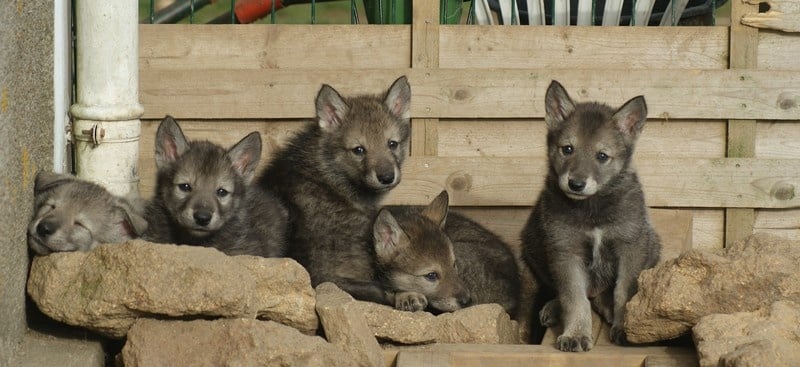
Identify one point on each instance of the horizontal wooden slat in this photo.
(255, 47)
(778, 50)
(471, 355)
(778, 139)
(557, 47)
(707, 183)
(468, 93)
(517, 138)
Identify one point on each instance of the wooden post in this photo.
(741, 133)
(424, 55)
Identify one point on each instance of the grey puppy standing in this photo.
(76, 215)
(431, 257)
(332, 176)
(589, 235)
(204, 198)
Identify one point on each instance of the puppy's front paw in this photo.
(574, 343)
(410, 301)
(617, 335)
(550, 313)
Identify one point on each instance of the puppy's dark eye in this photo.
(432, 276)
(185, 187)
(567, 150)
(222, 192)
(359, 150)
(392, 144)
(602, 157)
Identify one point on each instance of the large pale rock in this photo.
(767, 337)
(479, 324)
(108, 288)
(226, 342)
(389, 324)
(674, 295)
(346, 327)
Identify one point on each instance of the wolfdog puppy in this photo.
(589, 235)
(430, 257)
(203, 196)
(75, 215)
(332, 176)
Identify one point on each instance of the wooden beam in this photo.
(741, 133)
(472, 355)
(424, 55)
(485, 93)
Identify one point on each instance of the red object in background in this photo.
(248, 11)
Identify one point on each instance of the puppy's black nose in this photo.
(203, 217)
(44, 229)
(386, 178)
(464, 300)
(577, 185)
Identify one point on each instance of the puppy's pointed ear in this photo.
(331, 108)
(170, 142)
(245, 155)
(133, 223)
(388, 236)
(630, 118)
(47, 180)
(398, 98)
(437, 210)
(557, 105)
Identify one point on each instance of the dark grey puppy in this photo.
(76, 215)
(429, 257)
(332, 176)
(589, 235)
(204, 197)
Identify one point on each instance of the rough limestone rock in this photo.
(108, 288)
(226, 342)
(674, 295)
(767, 337)
(403, 327)
(346, 327)
(479, 324)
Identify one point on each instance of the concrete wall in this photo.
(26, 131)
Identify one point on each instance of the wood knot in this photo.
(459, 182)
(786, 101)
(461, 94)
(783, 191)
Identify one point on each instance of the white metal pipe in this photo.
(62, 85)
(106, 126)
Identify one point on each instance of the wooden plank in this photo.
(563, 47)
(778, 50)
(777, 139)
(708, 229)
(469, 355)
(783, 15)
(425, 55)
(702, 183)
(742, 131)
(526, 138)
(491, 93)
(256, 47)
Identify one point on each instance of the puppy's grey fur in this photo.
(589, 235)
(203, 196)
(332, 177)
(76, 215)
(429, 257)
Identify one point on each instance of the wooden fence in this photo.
(720, 152)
